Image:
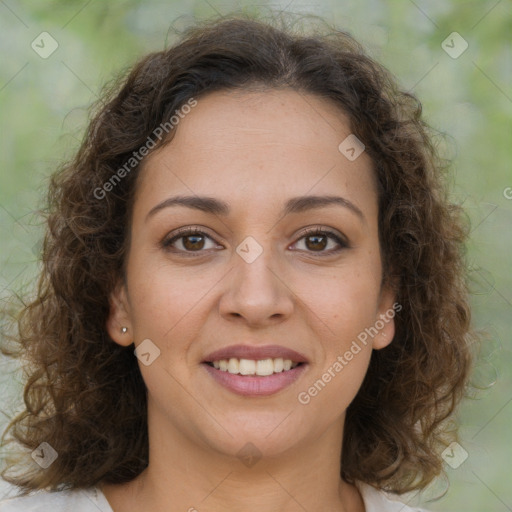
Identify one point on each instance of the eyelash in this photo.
(167, 243)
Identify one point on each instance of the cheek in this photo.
(345, 309)
(160, 302)
(331, 388)
(168, 307)
(345, 300)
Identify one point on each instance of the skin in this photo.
(254, 150)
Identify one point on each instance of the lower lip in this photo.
(249, 385)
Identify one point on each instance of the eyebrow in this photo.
(221, 208)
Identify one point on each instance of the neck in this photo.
(187, 475)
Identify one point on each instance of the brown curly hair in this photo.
(396, 426)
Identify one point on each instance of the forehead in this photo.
(252, 148)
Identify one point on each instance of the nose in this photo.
(257, 291)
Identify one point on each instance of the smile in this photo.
(261, 367)
(250, 377)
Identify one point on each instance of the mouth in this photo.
(249, 356)
(253, 371)
(254, 367)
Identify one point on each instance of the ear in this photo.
(119, 316)
(385, 318)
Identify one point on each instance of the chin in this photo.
(257, 439)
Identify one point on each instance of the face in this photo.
(266, 266)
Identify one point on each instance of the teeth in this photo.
(247, 367)
(278, 365)
(261, 367)
(265, 367)
(233, 366)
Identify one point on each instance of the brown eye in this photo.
(189, 240)
(316, 240)
(193, 242)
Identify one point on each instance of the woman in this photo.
(252, 295)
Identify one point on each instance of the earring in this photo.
(124, 329)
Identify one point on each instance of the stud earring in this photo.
(124, 329)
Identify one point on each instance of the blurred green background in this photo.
(468, 97)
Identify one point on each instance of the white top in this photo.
(93, 500)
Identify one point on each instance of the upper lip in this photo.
(256, 353)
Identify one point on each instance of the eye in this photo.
(189, 240)
(193, 240)
(317, 239)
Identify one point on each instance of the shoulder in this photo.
(380, 501)
(79, 500)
